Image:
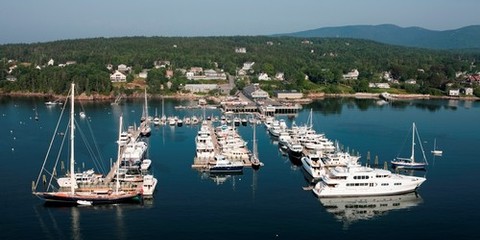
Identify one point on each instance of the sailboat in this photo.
(145, 129)
(410, 163)
(254, 159)
(75, 194)
(156, 119)
(435, 151)
(163, 119)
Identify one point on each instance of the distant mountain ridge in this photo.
(461, 38)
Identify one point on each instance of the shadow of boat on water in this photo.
(354, 209)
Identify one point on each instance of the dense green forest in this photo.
(323, 60)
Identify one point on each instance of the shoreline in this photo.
(189, 96)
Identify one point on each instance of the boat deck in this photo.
(134, 136)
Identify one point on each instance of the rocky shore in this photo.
(189, 96)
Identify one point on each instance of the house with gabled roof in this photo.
(352, 75)
(118, 76)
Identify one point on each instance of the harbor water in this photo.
(271, 203)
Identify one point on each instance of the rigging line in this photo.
(89, 148)
(57, 159)
(51, 143)
(421, 146)
(95, 144)
(404, 141)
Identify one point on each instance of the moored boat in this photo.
(356, 180)
(223, 165)
(410, 163)
(149, 184)
(75, 195)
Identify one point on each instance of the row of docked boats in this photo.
(127, 182)
(222, 150)
(336, 173)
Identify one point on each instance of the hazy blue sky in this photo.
(46, 20)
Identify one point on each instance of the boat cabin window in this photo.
(360, 177)
(397, 184)
(356, 184)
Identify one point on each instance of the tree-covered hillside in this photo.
(323, 60)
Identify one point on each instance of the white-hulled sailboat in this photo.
(435, 151)
(74, 195)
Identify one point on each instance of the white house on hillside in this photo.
(379, 85)
(467, 91)
(117, 76)
(454, 92)
(352, 75)
(123, 68)
(143, 74)
(263, 77)
(280, 76)
(248, 65)
(51, 62)
(411, 81)
(240, 50)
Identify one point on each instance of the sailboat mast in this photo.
(72, 143)
(146, 107)
(413, 143)
(254, 141)
(163, 114)
(310, 119)
(117, 183)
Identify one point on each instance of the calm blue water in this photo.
(268, 204)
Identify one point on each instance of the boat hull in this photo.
(416, 166)
(226, 169)
(313, 172)
(409, 184)
(75, 199)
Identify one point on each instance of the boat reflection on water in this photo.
(80, 217)
(353, 209)
(220, 178)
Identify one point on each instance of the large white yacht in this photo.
(311, 164)
(204, 144)
(133, 154)
(339, 158)
(356, 180)
(88, 176)
(149, 184)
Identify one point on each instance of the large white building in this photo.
(285, 94)
(254, 92)
(117, 76)
(203, 88)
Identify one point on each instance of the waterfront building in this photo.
(254, 92)
(204, 88)
(288, 94)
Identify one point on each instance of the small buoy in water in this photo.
(11, 131)
(13, 149)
